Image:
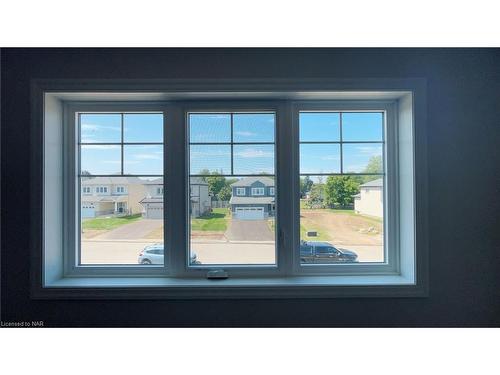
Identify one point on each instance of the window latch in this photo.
(217, 274)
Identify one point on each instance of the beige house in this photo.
(152, 200)
(111, 196)
(369, 201)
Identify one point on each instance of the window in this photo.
(119, 148)
(270, 194)
(101, 189)
(258, 191)
(232, 151)
(342, 153)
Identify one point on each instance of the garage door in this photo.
(87, 210)
(250, 213)
(154, 213)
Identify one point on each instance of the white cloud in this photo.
(330, 157)
(245, 133)
(209, 153)
(100, 147)
(147, 157)
(369, 150)
(254, 153)
(94, 127)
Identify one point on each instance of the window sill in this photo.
(275, 287)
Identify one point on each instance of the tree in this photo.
(339, 191)
(215, 183)
(224, 194)
(305, 185)
(316, 196)
(204, 173)
(374, 165)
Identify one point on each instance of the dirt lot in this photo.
(343, 228)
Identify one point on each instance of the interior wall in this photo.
(463, 129)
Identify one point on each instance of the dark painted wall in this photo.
(464, 163)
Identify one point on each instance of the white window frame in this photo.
(258, 191)
(120, 189)
(239, 191)
(391, 264)
(271, 191)
(134, 282)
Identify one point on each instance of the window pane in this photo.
(362, 158)
(319, 127)
(100, 128)
(253, 159)
(122, 227)
(230, 227)
(143, 127)
(100, 159)
(253, 127)
(232, 217)
(209, 128)
(343, 212)
(319, 158)
(206, 159)
(143, 159)
(362, 126)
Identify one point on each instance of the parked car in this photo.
(324, 252)
(154, 254)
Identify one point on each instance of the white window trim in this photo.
(271, 191)
(325, 285)
(256, 191)
(240, 191)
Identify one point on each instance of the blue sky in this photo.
(319, 127)
(325, 127)
(247, 128)
(216, 128)
(106, 128)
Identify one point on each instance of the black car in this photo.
(324, 252)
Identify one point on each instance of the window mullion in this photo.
(284, 195)
(175, 223)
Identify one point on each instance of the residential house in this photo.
(369, 201)
(253, 198)
(152, 201)
(110, 196)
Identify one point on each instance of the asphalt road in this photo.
(132, 231)
(249, 230)
(126, 252)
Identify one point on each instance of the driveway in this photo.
(133, 231)
(249, 230)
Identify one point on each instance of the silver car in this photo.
(154, 254)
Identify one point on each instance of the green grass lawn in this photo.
(271, 224)
(322, 236)
(352, 212)
(108, 223)
(216, 221)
